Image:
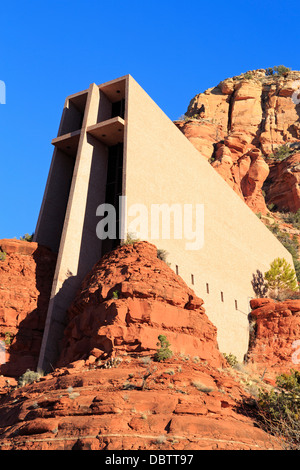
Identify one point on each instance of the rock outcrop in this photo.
(180, 404)
(283, 184)
(128, 300)
(240, 123)
(203, 134)
(110, 393)
(25, 283)
(275, 345)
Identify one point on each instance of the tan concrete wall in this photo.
(162, 166)
(79, 246)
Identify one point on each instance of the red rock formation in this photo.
(202, 134)
(110, 393)
(275, 346)
(283, 189)
(181, 405)
(25, 284)
(253, 115)
(152, 300)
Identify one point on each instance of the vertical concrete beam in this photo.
(66, 279)
(52, 214)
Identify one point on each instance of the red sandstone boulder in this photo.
(128, 300)
(25, 284)
(275, 346)
(11, 246)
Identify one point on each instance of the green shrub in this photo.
(8, 338)
(2, 255)
(28, 377)
(281, 153)
(279, 410)
(130, 239)
(293, 218)
(27, 237)
(163, 353)
(277, 70)
(290, 381)
(297, 268)
(231, 359)
(280, 276)
(248, 75)
(271, 207)
(291, 244)
(115, 294)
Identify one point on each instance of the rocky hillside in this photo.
(111, 391)
(245, 126)
(26, 274)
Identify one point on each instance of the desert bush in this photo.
(131, 239)
(259, 284)
(8, 338)
(291, 244)
(285, 294)
(162, 254)
(2, 255)
(111, 362)
(170, 371)
(279, 410)
(297, 268)
(201, 387)
(161, 439)
(231, 359)
(146, 360)
(27, 237)
(280, 276)
(277, 70)
(281, 152)
(293, 218)
(28, 377)
(183, 117)
(271, 207)
(163, 353)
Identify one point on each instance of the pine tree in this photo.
(281, 276)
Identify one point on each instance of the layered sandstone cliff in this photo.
(240, 123)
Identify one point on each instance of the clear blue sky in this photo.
(174, 49)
